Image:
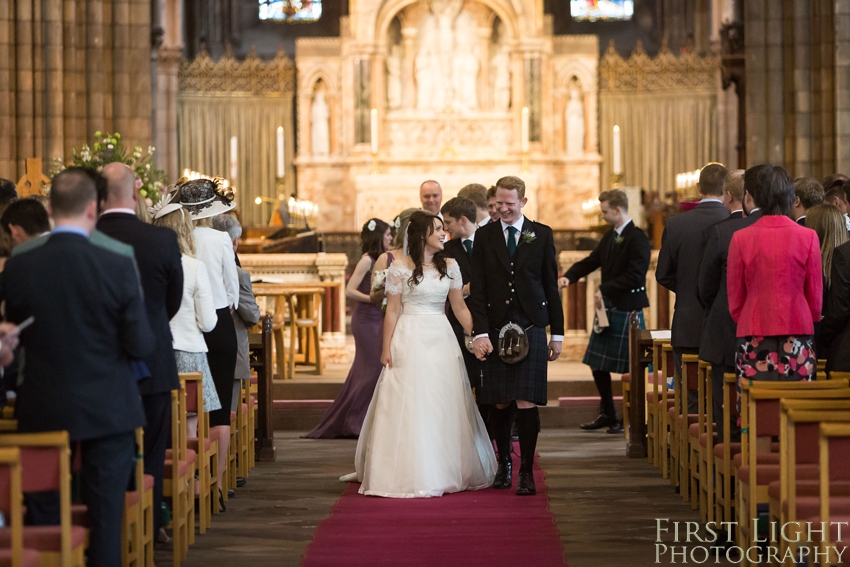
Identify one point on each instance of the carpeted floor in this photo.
(483, 528)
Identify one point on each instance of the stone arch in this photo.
(320, 73)
(586, 77)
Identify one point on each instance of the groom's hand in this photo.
(482, 347)
(554, 350)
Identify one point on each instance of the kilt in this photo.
(526, 380)
(609, 350)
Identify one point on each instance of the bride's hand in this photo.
(387, 359)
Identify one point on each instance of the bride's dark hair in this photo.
(422, 225)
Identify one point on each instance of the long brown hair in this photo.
(421, 226)
(828, 222)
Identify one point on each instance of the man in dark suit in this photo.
(90, 320)
(808, 192)
(515, 280)
(682, 246)
(718, 340)
(459, 216)
(158, 258)
(623, 254)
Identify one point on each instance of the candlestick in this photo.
(618, 168)
(280, 164)
(524, 129)
(233, 156)
(374, 130)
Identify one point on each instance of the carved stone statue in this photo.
(425, 79)
(465, 63)
(500, 67)
(445, 11)
(575, 123)
(394, 80)
(320, 130)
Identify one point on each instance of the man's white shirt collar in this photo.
(517, 225)
(484, 222)
(619, 229)
(119, 210)
(710, 200)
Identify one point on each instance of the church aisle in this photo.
(604, 504)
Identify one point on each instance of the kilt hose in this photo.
(526, 380)
(609, 350)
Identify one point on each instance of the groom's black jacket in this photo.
(528, 281)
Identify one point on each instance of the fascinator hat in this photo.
(203, 198)
(166, 205)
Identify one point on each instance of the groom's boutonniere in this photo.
(618, 239)
(528, 236)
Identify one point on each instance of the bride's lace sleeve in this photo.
(396, 275)
(453, 271)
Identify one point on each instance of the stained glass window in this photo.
(304, 11)
(602, 9)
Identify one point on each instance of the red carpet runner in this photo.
(487, 528)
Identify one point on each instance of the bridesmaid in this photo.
(345, 416)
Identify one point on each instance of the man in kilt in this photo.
(515, 280)
(623, 254)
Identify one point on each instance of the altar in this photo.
(459, 91)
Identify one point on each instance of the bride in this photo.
(423, 435)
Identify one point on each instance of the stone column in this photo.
(485, 97)
(7, 99)
(333, 117)
(842, 87)
(409, 84)
(123, 71)
(167, 85)
(756, 76)
(140, 68)
(825, 49)
(54, 82)
(69, 77)
(517, 94)
(95, 79)
(559, 126)
(799, 89)
(38, 79)
(24, 83)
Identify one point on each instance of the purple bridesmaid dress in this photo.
(345, 416)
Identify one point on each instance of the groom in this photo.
(515, 279)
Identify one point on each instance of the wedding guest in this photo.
(89, 321)
(623, 255)
(682, 247)
(431, 196)
(834, 328)
(491, 204)
(204, 199)
(24, 220)
(196, 314)
(246, 314)
(345, 416)
(835, 193)
(775, 322)
(828, 223)
(808, 192)
(396, 251)
(476, 193)
(8, 194)
(158, 257)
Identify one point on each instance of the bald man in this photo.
(431, 197)
(161, 270)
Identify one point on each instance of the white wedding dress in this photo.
(423, 435)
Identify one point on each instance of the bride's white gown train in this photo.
(423, 435)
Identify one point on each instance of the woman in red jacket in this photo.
(775, 284)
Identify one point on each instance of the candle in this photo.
(233, 172)
(524, 129)
(280, 166)
(618, 167)
(374, 130)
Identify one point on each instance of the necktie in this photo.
(468, 245)
(511, 241)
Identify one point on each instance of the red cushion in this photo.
(252, 401)
(811, 488)
(693, 429)
(30, 557)
(692, 418)
(80, 515)
(810, 505)
(193, 444)
(651, 396)
(672, 412)
(762, 459)
(626, 377)
(704, 436)
(44, 538)
(183, 468)
(190, 455)
(734, 449)
(771, 473)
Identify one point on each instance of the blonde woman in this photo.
(384, 260)
(828, 222)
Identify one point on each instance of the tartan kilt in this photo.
(609, 350)
(526, 380)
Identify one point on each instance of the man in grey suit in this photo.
(682, 246)
(718, 342)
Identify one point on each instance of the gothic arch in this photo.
(574, 68)
(319, 73)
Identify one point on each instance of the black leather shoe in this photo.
(241, 481)
(503, 475)
(617, 428)
(601, 421)
(231, 493)
(525, 484)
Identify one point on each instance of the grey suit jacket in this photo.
(245, 316)
(682, 247)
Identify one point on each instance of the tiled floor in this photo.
(605, 505)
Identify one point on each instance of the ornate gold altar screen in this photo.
(666, 108)
(248, 100)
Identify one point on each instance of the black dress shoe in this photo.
(241, 481)
(525, 484)
(503, 475)
(231, 493)
(617, 428)
(601, 421)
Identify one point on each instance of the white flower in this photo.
(371, 226)
(397, 222)
(151, 149)
(109, 146)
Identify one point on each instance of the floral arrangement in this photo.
(109, 148)
(528, 236)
